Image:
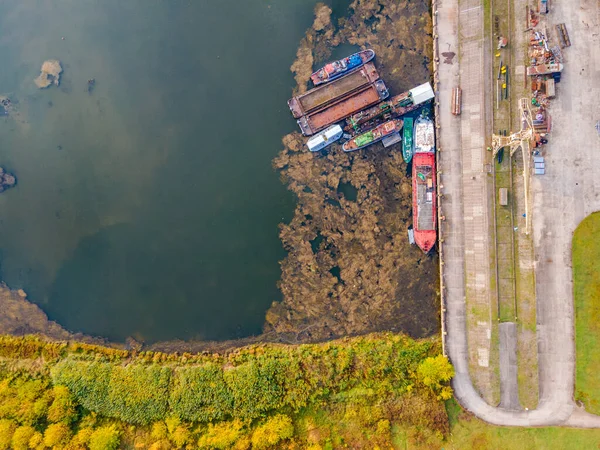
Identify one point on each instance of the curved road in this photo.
(561, 199)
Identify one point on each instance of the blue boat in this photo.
(346, 65)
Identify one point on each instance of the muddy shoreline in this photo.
(350, 269)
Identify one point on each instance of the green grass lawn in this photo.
(586, 287)
(468, 432)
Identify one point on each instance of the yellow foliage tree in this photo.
(21, 437)
(274, 430)
(222, 435)
(159, 431)
(36, 440)
(62, 408)
(57, 435)
(82, 438)
(434, 371)
(105, 438)
(7, 429)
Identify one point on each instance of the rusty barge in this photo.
(341, 108)
(321, 97)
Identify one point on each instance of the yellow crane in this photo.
(520, 139)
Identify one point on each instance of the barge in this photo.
(322, 96)
(372, 136)
(340, 109)
(336, 69)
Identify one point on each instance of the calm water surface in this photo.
(148, 207)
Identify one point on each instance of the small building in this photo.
(503, 196)
(422, 93)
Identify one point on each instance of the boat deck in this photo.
(425, 196)
(317, 121)
(320, 96)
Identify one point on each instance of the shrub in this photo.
(274, 430)
(139, 394)
(88, 381)
(201, 394)
(105, 438)
(256, 388)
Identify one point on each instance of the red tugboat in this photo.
(424, 185)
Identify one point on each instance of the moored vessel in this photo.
(373, 136)
(407, 140)
(336, 69)
(340, 109)
(424, 200)
(325, 138)
(424, 135)
(321, 97)
(396, 106)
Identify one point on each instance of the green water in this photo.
(149, 207)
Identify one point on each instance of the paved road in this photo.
(562, 198)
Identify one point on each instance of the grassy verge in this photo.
(468, 432)
(586, 286)
(357, 393)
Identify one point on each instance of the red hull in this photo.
(424, 200)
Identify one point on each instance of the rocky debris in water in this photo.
(91, 84)
(7, 180)
(133, 344)
(5, 105)
(50, 74)
(316, 44)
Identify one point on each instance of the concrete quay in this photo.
(561, 199)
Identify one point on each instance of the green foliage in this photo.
(105, 438)
(57, 435)
(21, 437)
(134, 393)
(586, 291)
(256, 387)
(201, 394)
(7, 429)
(222, 435)
(434, 371)
(87, 381)
(274, 430)
(138, 393)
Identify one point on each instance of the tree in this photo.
(7, 429)
(275, 429)
(434, 371)
(222, 435)
(57, 435)
(21, 437)
(105, 438)
(62, 408)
